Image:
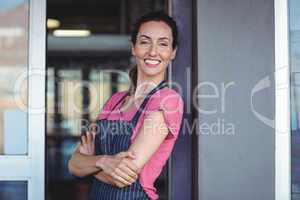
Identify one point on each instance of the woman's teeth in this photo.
(152, 62)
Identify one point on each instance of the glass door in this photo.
(294, 47)
(22, 99)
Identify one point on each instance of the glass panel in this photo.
(294, 33)
(13, 84)
(71, 100)
(13, 190)
(100, 90)
(50, 100)
(123, 82)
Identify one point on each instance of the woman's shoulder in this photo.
(167, 94)
(167, 98)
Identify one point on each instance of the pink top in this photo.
(166, 100)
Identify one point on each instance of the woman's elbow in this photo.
(73, 170)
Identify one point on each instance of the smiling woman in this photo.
(136, 129)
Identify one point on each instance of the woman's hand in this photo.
(82, 162)
(87, 146)
(101, 176)
(119, 168)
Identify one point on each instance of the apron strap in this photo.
(145, 101)
(121, 99)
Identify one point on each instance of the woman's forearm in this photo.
(152, 134)
(83, 165)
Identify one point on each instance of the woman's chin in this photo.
(152, 72)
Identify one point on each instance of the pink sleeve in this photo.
(171, 104)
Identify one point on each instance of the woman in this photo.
(138, 128)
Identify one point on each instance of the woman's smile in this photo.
(152, 62)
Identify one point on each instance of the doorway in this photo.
(88, 56)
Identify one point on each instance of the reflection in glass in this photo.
(13, 64)
(70, 104)
(63, 133)
(294, 33)
(13, 190)
(100, 91)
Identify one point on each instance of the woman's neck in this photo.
(146, 84)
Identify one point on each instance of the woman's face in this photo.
(153, 48)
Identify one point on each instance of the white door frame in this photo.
(31, 167)
(282, 99)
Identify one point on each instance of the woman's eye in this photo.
(164, 44)
(144, 42)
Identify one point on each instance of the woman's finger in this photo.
(83, 140)
(125, 154)
(125, 176)
(88, 137)
(89, 141)
(118, 184)
(81, 149)
(93, 127)
(94, 135)
(120, 179)
(129, 171)
(131, 165)
(112, 181)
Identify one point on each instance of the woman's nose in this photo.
(153, 51)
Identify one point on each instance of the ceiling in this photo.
(109, 22)
(100, 16)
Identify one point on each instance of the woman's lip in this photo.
(152, 65)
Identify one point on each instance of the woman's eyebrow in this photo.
(164, 38)
(161, 38)
(145, 36)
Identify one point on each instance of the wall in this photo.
(236, 60)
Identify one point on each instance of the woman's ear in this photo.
(132, 49)
(174, 53)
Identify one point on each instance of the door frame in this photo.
(282, 103)
(183, 167)
(31, 167)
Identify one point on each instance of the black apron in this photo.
(114, 137)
